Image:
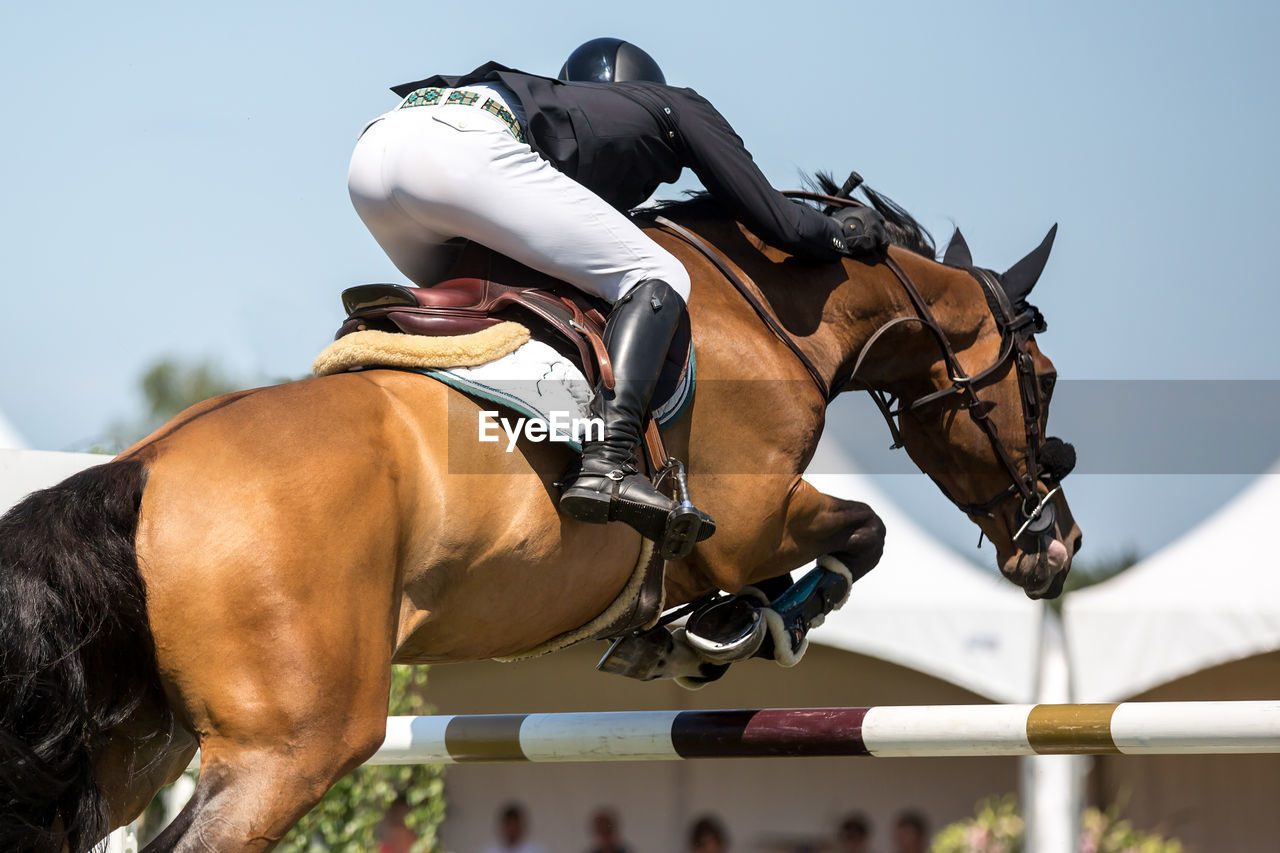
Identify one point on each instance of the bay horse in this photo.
(242, 580)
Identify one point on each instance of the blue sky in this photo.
(174, 178)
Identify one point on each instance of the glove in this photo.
(862, 230)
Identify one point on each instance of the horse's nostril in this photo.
(1076, 543)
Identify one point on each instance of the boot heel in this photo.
(585, 506)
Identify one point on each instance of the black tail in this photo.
(76, 653)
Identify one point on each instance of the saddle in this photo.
(482, 289)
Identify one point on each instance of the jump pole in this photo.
(1129, 728)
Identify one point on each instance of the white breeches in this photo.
(423, 175)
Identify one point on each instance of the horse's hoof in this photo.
(728, 630)
(643, 656)
(708, 673)
(657, 653)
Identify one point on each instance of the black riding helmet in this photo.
(610, 60)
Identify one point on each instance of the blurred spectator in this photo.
(513, 832)
(604, 828)
(395, 836)
(854, 835)
(708, 836)
(910, 833)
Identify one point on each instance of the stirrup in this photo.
(684, 529)
(686, 524)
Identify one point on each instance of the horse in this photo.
(242, 580)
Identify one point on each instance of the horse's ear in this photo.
(1022, 276)
(957, 253)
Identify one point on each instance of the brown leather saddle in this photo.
(482, 289)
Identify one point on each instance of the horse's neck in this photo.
(832, 311)
(908, 354)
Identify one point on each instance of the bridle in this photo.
(1016, 327)
(1016, 324)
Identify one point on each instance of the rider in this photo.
(543, 170)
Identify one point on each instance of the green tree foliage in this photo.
(350, 815)
(995, 828)
(168, 386)
(998, 828)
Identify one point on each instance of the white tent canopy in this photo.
(25, 471)
(926, 608)
(9, 437)
(1211, 597)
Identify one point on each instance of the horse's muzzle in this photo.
(1042, 571)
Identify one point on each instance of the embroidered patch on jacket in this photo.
(423, 97)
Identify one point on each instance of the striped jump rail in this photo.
(1129, 728)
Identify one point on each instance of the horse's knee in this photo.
(874, 533)
(865, 545)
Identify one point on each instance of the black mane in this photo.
(903, 228)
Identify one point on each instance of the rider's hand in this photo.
(862, 230)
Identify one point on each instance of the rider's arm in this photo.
(720, 160)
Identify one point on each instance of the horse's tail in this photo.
(76, 652)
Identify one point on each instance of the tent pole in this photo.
(1052, 785)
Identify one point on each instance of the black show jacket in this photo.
(621, 140)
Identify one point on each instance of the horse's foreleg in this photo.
(819, 525)
(810, 525)
(773, 621)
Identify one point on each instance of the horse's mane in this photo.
(903, 228)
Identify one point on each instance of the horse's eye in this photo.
(1046, 384)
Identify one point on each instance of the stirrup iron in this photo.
(685, 522)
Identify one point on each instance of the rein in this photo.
(1016, 330)
(754, 298)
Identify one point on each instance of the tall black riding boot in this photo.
(610, 487)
